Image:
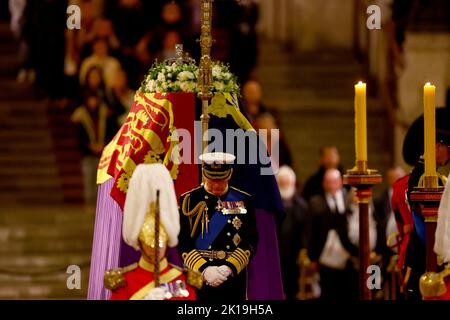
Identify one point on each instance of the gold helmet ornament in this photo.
(147, 234)
(432, 284)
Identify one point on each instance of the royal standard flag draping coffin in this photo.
(151, 134)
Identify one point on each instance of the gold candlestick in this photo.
(360, 125)
(429, 114)
(363, 179)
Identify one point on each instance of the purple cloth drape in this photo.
(106, 243)
(264, 271)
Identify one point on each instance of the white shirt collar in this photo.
(340, 203)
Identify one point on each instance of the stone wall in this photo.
(427, 57)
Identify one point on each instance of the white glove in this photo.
(213, 276)
(156, 294)
(225, 270)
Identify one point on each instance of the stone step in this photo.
(52, 286)
(8, 49)
(42, 291)
(46, 246)
(42, 262)
(308, 102)
(30, 172)
(38, 160)
(34, 214)
(49, 232)
(56, 277)
(25, 105)
(9, 87)
(34, 183)
(35, 196)
(25, 148)
(24, 121)
(35, 136)
(312, 94)
(303, 70)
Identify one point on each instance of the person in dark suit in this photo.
(330, 248)
(329, 159)
(293, 234)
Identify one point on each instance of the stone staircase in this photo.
(313, 93)
(37, 245)
(40, 234)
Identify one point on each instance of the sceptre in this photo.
(156, 273)
(205, 68)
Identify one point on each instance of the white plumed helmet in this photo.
(144, 183)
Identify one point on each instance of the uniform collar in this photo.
(221, 196)
(144, 264)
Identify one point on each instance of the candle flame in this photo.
(428, 84)
(360, 83)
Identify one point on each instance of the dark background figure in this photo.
(94, 130)
(93, 81)
(329, 159)
(293, 233)
(131, 26)
(244, 51)
(384, 215)
(252, 99)
(267, 122)
(120, 97)
(47, 43)
(330, 249)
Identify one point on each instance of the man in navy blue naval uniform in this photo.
(218, 234)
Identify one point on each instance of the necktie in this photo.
(335, 205)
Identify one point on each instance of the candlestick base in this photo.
(363, 179)
(430, 182)
(429, 200)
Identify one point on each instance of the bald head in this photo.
(332, 181)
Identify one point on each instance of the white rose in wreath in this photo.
(161, 77)
(185, 75)
(217, 72)
(219, 86)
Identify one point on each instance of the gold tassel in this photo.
(203, 225)
(207, 219)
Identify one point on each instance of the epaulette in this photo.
(196, 188)
(115, 279)
(193, 278)
(246, 193)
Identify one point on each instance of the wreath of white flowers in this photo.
(173, 77)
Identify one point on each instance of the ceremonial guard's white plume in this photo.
(146, 180)
(442, 242)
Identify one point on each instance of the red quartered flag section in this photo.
(150, 135)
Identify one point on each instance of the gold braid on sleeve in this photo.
(199, 211)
